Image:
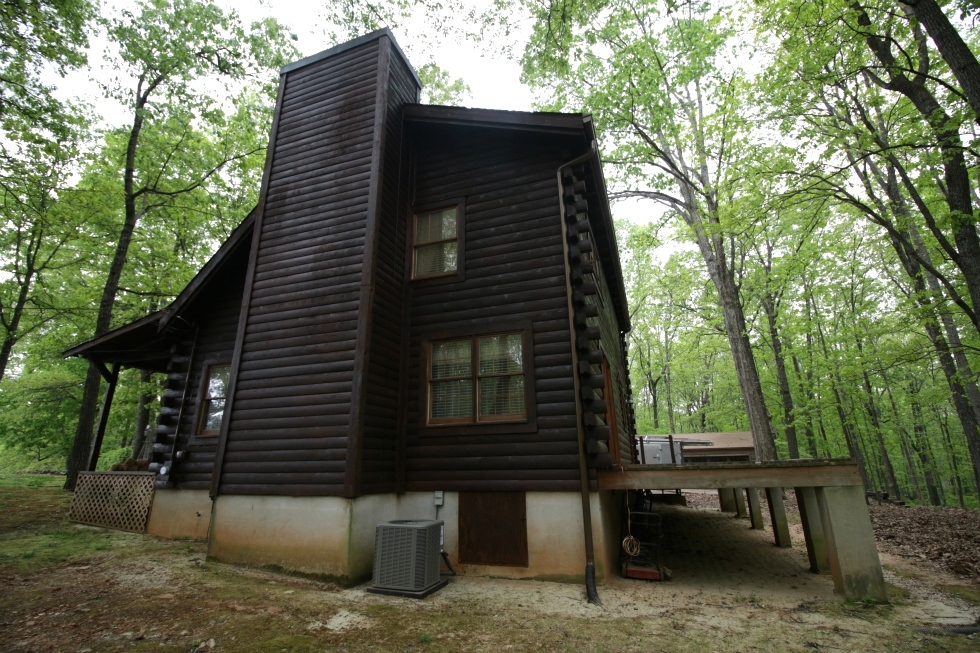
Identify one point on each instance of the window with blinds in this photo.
(478, 379)
(435, 249)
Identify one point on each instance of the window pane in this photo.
(216, 409)
(451, 358)
(502, 395)
(452, 398)
(218, 384)
(501, 354)
(437, 225)
(436, 258)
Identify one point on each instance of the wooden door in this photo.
(493, 528)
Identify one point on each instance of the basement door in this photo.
(493, 528)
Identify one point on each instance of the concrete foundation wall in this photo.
(180, 514)
(305, 534)
(334, 536)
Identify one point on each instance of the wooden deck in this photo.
(833, 512)
(785, 473)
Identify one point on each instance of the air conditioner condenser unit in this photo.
(406, 558)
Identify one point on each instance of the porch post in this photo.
(854, 560)
(110, 390)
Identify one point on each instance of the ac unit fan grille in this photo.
(406, 555)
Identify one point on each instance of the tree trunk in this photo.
(713, 253)
(769, 306)
(921, 447)
(811, 438)
(849, 436)
(668, 390)
(90, 395)
(888, 472)
(142, 415)
(961, 60)
(966, 253)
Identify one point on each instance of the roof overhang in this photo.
(145, 343)
(138, 344)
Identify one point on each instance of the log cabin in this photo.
(423, 317)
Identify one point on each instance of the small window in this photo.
(435, 249)
(475, 380)
(213, 399)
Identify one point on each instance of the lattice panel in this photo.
(119, 500)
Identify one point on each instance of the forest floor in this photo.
(70, 588)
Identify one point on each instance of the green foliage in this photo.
(438, 87)
(35, 34)
(39, 411)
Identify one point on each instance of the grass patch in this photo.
(965, 592)
(11, 479)
(28, 553)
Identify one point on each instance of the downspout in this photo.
(590, 588)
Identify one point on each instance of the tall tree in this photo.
(670, 108)
(888, 121)
(36, 226)
(167, 50)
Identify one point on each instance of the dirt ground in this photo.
(76, 589)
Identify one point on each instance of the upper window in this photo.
(435, 249)
(213, 399)
(478, 379)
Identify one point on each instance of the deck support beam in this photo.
(740, 503)
(777, 513)
(854, 560)
(816, 543)
(755, 509)
(726, 497)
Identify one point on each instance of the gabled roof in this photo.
(145, 343)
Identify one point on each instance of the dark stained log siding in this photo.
(290, 417)
(613, 350)
(385, 348)
(216, 311)
(513, 273)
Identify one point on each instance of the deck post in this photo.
(777, 513)
(740, 503)
(854, 560)
(726, 497)
(816, 543)
(755, 510)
